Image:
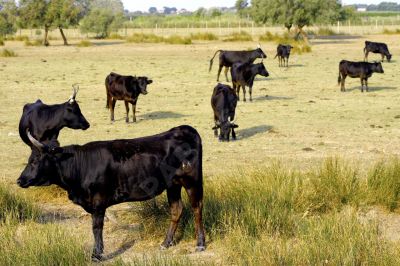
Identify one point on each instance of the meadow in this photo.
(311, 179)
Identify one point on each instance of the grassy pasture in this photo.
(298, 118)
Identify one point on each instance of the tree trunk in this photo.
(302, 33)
(46, 33)
(63, 36)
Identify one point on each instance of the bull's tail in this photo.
(275, 56)
(212, 59)
(108, 95)
(339, 78)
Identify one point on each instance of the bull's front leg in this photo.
(362, 85)
(127, 111)
(233, 134)
(97, 227)
(134, 110)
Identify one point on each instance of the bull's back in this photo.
(25, 121)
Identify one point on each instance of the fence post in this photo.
(219, 26)
(252, 28)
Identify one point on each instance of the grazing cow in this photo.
(100, 174)
(283, 53)
(45, 121)
(223, 103)
(362, 70)
(126, 88)
(243, 75)
(377, 48)
(228, 58)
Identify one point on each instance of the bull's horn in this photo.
(75, 88)
(34, 141)
(258, 45)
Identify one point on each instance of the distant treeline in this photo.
(384, 6)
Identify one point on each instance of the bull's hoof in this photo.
(200, 248)
(97, 257)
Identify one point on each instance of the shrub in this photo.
(21, 38)
(8, 53)
(85, 43)
(391, 32)
(115, 36)
(326, 32)
(242, 36)
(33, 43)
(144, 38)
(207, 36)
(175, 39)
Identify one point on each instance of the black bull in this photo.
(104, 173)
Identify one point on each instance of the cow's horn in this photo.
(75, 88)
(34, 141)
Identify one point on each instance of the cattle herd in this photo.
(100, 174)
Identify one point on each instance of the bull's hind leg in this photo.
(238, 92)
(362, 85)
(226, 73)
(112, 107)
(134, 110)
(219, 71)
(342, 81)
(97, 227)
(127, 111)
(176, 207)
(251, 92)
(366, 85)
(195, 194)
(244, 93)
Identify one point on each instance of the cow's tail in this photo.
(212, 59)
(339, 78)
(108, 95)
(275, 56)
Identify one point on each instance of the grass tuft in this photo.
(115, 36)
(85, 43)
(204, 36)
(33, 43)
(144, 38)
(176, 39)
(241, 36)
(7, 53)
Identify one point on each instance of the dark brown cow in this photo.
(125, 88)
(362, 70)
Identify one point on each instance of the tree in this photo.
(33, 14)
(62, 14)
(8, 11)
(300, 13)
(152, 10)
(240, 6)
(114, 6)
(101, 22)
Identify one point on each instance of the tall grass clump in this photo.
(33, 43)
(383, 183)
(176, 39)
(161, 260)
(331, 186)
(14, 207)
(115, 36)
(7, 53)
(144, 38)
(326, 32)
(391, 32)
(85, 43)
(21, 38)
(40, 244)
(242, 36)
(204, 36)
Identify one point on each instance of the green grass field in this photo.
(258, 213)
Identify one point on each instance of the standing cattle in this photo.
(228, 58)
(362, 70)
(283, 53)
(45, 121)
(377, 48)
(243, 75)
(223, 103)
(100, 174)
(126, 88)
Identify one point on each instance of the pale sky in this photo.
(192, 5)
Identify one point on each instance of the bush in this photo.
(242, 36)
(204, 36)
(1, 42)
(115, 36)
(33, 43)
(8, 53)
(21, 38)
(326, 32)
(175, 39)
(391, 32)
(85, 43)
(144, 38)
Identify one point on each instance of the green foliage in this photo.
(7, 53)
(8, 17)
(114, 6)
(40, 244)
(384, 184)
(84, 43)
(205, 36)
(12, 206)
(101, 22)
(241, 36)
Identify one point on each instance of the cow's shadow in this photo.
(124, 247)
(162, 115)
(271, 98)
(252, 131)
(371, 89)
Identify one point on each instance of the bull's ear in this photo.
(149, 81)
(55, 150)
(234, 126)
(214, 128)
